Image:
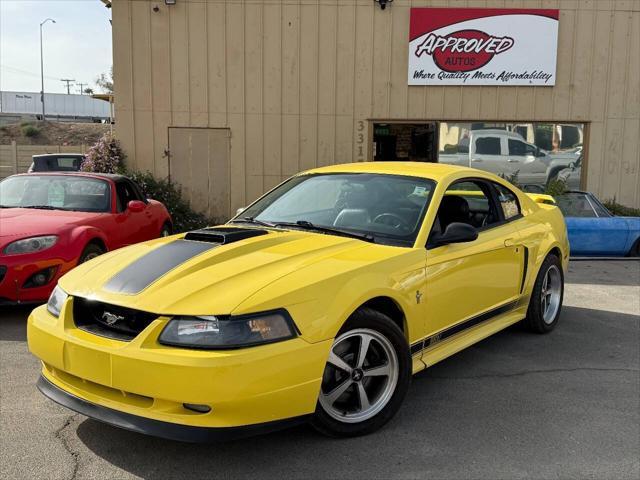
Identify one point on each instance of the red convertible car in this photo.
(51, 222)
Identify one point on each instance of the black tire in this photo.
(635, 249)
(371, 320)
(166, 230)
(535, 320)
(90, 252)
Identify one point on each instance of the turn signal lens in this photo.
(56, 300)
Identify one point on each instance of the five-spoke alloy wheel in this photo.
(546, 297)
(366, 376)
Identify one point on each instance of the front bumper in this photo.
(170, 431)
(19, 268)
(144, 379)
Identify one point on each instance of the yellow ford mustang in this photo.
(317, 302)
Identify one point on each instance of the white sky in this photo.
(77, 46)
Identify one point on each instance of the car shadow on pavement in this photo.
(619, 272)
(558, 403)
(13, 322)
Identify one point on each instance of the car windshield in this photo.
(385, 209)
(55, 192)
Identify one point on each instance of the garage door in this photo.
(199, 162)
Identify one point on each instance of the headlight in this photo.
(30, 245)
(56, 300)
(210, 332)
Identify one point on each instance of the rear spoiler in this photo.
(541, 198)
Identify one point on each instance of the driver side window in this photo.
(466, 201)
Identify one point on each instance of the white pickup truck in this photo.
(506, 153)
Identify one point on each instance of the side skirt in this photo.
(445, 343)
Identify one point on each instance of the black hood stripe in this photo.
(150, 267)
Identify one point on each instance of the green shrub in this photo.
(617, 209)
(167, 192)
(26, 123)
(555, 188)
(30, 131)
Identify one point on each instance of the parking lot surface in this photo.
(517, 405)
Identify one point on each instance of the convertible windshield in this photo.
(55, 192)
(385, 209)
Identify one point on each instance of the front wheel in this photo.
(166, 230)
(366, 377)
(546, 297)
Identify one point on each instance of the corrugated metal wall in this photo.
(298, 81)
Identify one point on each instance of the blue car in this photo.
(594, 231)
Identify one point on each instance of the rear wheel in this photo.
(90, 252)
(546, 297)
(366, 377)
(635, 249)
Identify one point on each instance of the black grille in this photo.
(110, 321)
(3, 272)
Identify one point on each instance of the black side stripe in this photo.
(150, 267)
(460, 327)
(524, 270)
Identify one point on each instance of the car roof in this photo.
(105, 176)
(49, 155)
(434, 171)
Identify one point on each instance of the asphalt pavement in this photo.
(517, 405)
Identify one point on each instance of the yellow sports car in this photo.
(317, 302)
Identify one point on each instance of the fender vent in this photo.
(223, 235)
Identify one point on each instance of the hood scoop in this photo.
(223, 235)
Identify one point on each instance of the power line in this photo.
(26, 72)
(68, 81)
(82, 85)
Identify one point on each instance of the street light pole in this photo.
(42, 66)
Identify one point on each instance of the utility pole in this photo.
(81, 85)
(68, 80)
(42, 66)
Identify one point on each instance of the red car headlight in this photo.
(31, 245)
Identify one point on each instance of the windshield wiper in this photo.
(253, 221)
(42, 207)
(304, 224)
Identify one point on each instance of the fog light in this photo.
(40, 278)
(195, 407)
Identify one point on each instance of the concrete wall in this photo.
(298, 82)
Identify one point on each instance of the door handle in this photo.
(476, 159)
(509, 242)
(513, 160)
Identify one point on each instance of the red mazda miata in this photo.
(51, 222)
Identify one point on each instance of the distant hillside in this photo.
(52, 133)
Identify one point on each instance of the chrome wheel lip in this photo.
(550, 294)
(357, 373)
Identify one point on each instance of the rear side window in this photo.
(488, 146)
(508, 201)
(575, 205)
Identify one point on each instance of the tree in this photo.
(88, 91)
(105, 81)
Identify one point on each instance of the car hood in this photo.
(26, 222)
(179, 276)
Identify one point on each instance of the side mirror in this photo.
(455, 233)
(572, 165)
(136, 206)
(240, 210)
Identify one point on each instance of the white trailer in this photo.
(57, 105)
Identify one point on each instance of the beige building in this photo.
(230, 97)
